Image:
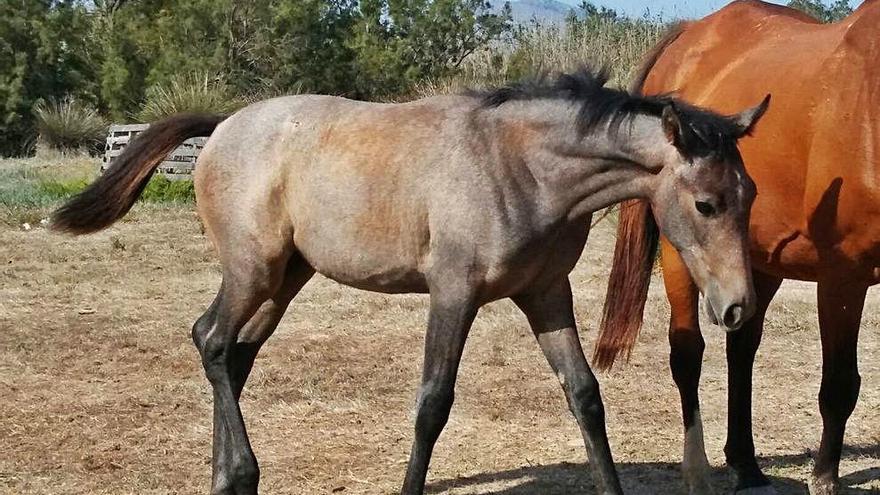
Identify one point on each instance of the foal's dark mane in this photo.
(714, 133)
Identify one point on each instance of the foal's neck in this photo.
(580, 175)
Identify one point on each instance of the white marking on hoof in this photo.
(819, 486)
(694, 464)
(561, 378)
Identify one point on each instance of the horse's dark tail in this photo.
(634, 253)
(111, 196)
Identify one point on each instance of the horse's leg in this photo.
(449, 321)
(840, 313)
(251, 276)
(686, 347)
(742, 345)
(251, 337)
(551, 317)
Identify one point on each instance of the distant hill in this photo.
(542, 10)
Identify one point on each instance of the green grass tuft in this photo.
(196, 92)
(163, 190)
(70, 125)
(29, 193)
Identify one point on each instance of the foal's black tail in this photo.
(111, 196)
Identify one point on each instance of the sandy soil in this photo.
(103, 392)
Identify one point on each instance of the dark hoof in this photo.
(749, 480)
(240, 481)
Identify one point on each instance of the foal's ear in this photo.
(746, 120)
(671, 123)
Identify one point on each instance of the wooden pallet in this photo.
(179, 164)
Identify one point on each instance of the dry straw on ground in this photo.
(103, 391)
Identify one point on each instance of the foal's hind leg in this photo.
(840, 314)
(551, 317)
(251, 337)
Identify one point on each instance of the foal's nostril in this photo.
(733, 316)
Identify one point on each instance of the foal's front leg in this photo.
(449, 321)
(551, 317)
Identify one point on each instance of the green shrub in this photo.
(70, 125)
(160, 189)
(28, 187)
(193, 92)
(163, 190)
(55, 190)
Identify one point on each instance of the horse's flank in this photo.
(697, 62)
(823, 127)
(816, 164)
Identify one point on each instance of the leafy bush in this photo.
(193, 92)
(160, 189)
(70, 125)
(44, 55)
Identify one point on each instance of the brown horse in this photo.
(470, 198)
(815, 160)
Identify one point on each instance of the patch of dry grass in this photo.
(104, 393)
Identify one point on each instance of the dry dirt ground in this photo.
(102, 391)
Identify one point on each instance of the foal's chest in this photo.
(533, 264)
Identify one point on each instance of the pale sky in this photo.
(670, 9)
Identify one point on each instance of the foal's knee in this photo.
(434, 403)
(212, 347)
(585, 399)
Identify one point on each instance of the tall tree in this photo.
(302, 43)
(44, 55)
(110, 52)
(399, 42)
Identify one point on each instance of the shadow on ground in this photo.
(644, 478)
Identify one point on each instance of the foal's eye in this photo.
(705, 209)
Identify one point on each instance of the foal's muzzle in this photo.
(731, 316)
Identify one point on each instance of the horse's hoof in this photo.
(821, 486)
(702, 487)
(757, 490)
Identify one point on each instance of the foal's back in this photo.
(340, 179)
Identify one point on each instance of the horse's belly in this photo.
(803, 255)
(390, 280)
(379, 263)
